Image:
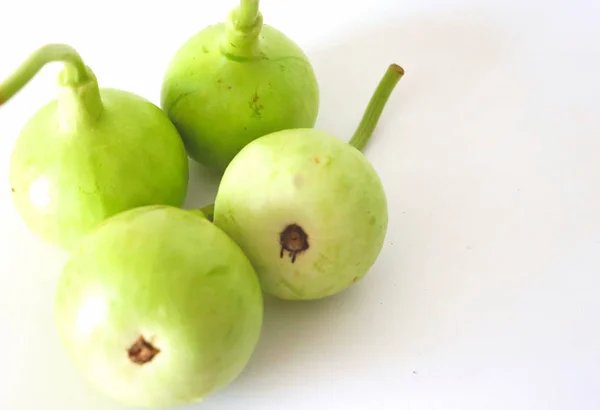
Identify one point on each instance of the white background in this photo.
(486, 295)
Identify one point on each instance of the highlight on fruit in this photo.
(90, 153)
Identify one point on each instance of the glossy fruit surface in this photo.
(234, 82)
(159, 308)
(90, 154)
(308, 210)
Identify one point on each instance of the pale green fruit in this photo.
(159, 307)
(234, 82)
(90, 154)
(308, 210)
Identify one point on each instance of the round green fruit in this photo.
(234, 82)
(90, 154)
(308, 209)
(158, 307)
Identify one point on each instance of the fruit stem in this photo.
(379, 99)
(247, 13)
(243, 26)
(75, 72)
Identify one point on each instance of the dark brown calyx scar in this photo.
(141, 352)
(294, 240)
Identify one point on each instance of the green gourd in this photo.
(90, 153)
(158, 308)
(234, 82)
(307, 208)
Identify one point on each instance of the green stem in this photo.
(75, 70)
(243, 26)
(78, 105)
(247, 13)
(379, 99)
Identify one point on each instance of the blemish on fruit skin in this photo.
(316, 160)
(356, 278)
(216, 271)
(321, 263)
(327, 161)
(296, 292)
(231, 216)
(255, 106)
(204, 49)
(229, 332)
(12, 189)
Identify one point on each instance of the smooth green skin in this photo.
(319, 182)
(78, 161)
(173, 277)
(220, 102)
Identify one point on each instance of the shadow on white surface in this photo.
(202, 186)
(343, 347)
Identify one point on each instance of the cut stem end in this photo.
(374, 109)
(397, 69)
(142, 352)
(293, 240)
